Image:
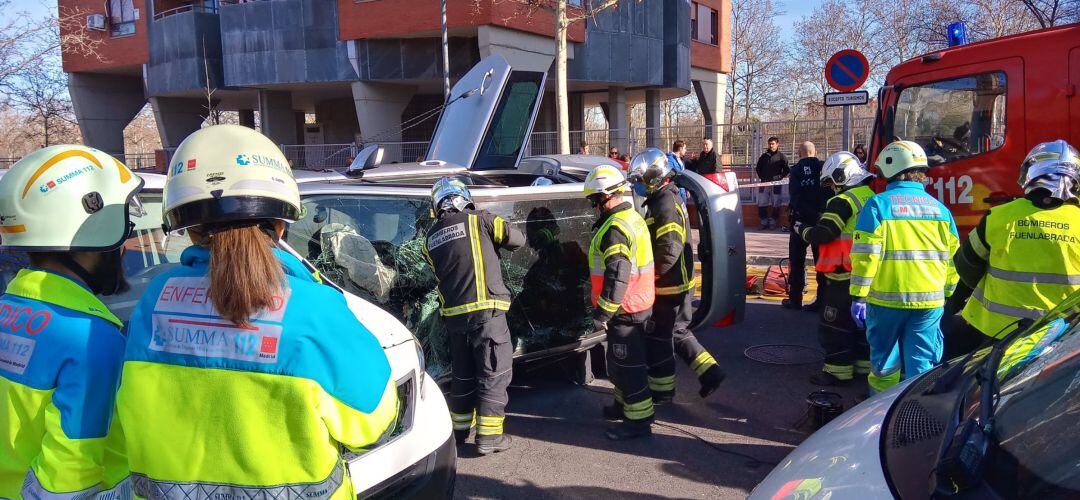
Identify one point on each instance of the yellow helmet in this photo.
(66, 198)
(229, 173)
(901, 156)
(605, 179)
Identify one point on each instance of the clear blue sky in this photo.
(37, 7)
(793, 10)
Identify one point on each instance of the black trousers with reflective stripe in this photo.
(627, 365)
(671, 335)
(481, 361)
(842, 340)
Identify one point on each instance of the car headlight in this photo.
(423, 366)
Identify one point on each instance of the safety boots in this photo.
(487, 445)
(630, 429)
(710, 380)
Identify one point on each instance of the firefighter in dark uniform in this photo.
(846, 350)
(623, 291)
(669, 228)
(462, 246)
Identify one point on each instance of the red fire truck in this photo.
(977, 109)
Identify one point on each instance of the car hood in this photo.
(840, 461)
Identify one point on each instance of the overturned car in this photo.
(365, 226)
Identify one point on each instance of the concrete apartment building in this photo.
(362, 67)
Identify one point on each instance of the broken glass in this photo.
(373, 246)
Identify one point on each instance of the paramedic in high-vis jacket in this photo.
(60, 347)
(244, 375)
(902, 269)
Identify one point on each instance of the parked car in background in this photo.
(1000, 423)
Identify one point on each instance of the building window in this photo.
(704, 24)
(122, 17)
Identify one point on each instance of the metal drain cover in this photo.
(784, 354)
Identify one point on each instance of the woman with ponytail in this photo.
(244, 375)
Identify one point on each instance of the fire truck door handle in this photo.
(1070, 90)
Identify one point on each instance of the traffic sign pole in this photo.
(846, 71)
(847, 128)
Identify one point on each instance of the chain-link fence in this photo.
(744, 142)
(404, 152)
(319, 156)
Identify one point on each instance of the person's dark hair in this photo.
(859, 147)
(678, 145)
(245, 277)
(774, 139)
(584, 143)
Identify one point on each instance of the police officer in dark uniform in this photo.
(462, 246)
(673, 256)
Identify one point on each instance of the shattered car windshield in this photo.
(373, 247)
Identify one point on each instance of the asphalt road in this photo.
(720, 447)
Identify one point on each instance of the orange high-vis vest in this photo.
(641, 290)
(835, 256)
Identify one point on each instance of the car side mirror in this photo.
(369, 157)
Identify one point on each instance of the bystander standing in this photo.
(772, 166)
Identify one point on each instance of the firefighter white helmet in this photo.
(67, 198)
(844, 169)
(227, 174)
(899, 157)
(605, 179)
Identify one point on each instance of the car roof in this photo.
(587, 162)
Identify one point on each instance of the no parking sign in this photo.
(847, 70)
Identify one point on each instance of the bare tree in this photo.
(141, 135)
(41, 93)
(757, 56)
(26, 39)
(1052, 12)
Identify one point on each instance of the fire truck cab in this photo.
(978, 109)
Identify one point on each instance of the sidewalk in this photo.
(767, 248)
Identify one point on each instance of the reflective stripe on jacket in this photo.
(669, 228)
(1034, 264)
(462, 248)
(902, 250)
(640, 292)
(834, 257)
(259, 411)
(60, 356)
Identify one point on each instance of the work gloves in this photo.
(599, 326)
(858, 312)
